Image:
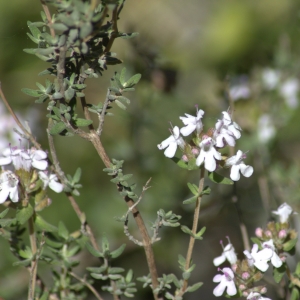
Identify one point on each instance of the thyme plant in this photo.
(76, 38)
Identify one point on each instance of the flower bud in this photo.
(245, 275)
(268, 233)
(282, 234)
(258, 232)
(184, 158)
(195, 151)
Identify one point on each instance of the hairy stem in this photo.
(89, 286)
(194, 228)
(33, 269)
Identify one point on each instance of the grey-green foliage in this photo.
(81, 46)
(124, 285)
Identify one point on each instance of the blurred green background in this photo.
(188, 52)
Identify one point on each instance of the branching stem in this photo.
(194, 228)
(34, 263)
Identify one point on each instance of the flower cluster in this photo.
(205, 147)
(28, 165)
(270, 248)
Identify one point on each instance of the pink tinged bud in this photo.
(195, 151)
(245, 275)
(234, 268)
(268, 233)
(258, 232)
(283, 258)
(184, 158)
(263, 290)
(245, 294)
(242, 287)
(282, 234)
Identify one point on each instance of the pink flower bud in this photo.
(245, 275)
(195, 151)
(245, 294)
(283, 258)
(242, 287)
(184, 158)
(258, 232)
(268, 233)
(282, 234)
(234, 267)
(263, 290)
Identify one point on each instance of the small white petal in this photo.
(247, 171)
(235, 173)
(219, 260)
(171, 150)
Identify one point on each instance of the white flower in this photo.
(226, 130)
(24, 159)
(259, 258)
(208, 154)
(275, 259)
(171, 143)
(192, 123)
(266, 128)
(289, 91)
(270, 78)
(283, 211)
(256, 296)
(228, 253)
(39, 159)
(8, 186)
(226, 281)
(51, 181)
(240, 90)
(237, 166)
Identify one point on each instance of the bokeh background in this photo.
(216, 54)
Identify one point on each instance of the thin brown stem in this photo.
(89, 286)
(48, 16)
(33, 269)
(194, 228)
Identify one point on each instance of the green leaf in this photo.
(123, 99)
(77, 175)
(129, 276)
(33, 93)
(201, 232)
(190, 200)
(34, 30)
(115, 270)
(194, 287)
(93, 251)
(4, 213)
(186, 275)
(59, 26)
(289, 245)
(193, 188)
(45, 296)
(85, 30)
(57, 128)
(122, 76)
(25, 253)
(7, 222)
(35, 40)
(132, 81)
(116, 253)
(295, 294)
(24, 262)
(297, 271)
(43, 225)
(185, 229)
(278, 273)
(63, 231)
(129, 35)
(191, 165)
(82, 122)
(24, 214)
(217, 178)
(121, 105)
